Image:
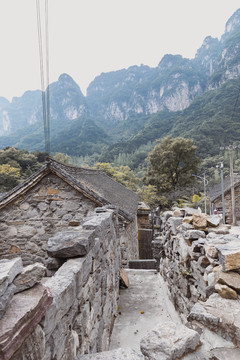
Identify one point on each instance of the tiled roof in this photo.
(216, 190)
(93, 183)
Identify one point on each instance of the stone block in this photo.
(24, 312)
(188, 220)
(199, 221)
(219, 315)
(222, 353)
(124, 278)
(226, 292)
(63, 287)
(71, 243)
(142, 264)
(9, 269)
(5, 299)
(213, 220)
(174, 223)
(230, 278)
(169, 341)
(30, 275)
(221, 230)
(186, 226)
(195, 234)
(229, 255)
(33, 348)
(210, 250)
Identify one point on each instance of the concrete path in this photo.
(141, 307)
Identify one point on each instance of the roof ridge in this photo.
(51, 160)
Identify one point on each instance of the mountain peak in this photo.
(66, 78)
(233, 22)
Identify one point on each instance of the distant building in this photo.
(215, 195)
(56, 198)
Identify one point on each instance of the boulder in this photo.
(118, 354)
(226, 292)
(213, 220)
(199, 221)
(169, 341)
(70, 243)
(24, 312)
(31, 275)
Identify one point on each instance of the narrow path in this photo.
(148, 293)
(141, 307)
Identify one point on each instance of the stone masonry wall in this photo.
(84, 294)
(27, 223)
(129, 242)
(228, 204)
(197, 257)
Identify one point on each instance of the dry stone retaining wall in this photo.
(197, 257)
(73, 311)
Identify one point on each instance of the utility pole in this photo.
(222, 187)
(230, 148)
(232, 186)
(223, 207)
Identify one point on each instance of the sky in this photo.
(88, 37)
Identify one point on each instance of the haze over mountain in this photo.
(131, 107)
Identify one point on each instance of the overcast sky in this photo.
(88, 37)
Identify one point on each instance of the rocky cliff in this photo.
(115, 97)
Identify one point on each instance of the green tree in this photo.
(63, 158)
(172, 163)
(150, 196)
(9, 177)
(123, 174)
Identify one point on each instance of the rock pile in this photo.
(197, 256)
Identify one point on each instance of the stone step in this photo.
(147, 264)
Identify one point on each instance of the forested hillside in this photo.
(125, 111)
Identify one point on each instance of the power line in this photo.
(45, 94)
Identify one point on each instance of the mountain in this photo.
(128, 108)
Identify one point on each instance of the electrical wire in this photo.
(45, 94)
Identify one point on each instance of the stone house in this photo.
(215, 195)
(57, 198)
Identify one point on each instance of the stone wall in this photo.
(27, 223)
(83, 292)
(197, 257)
(51, 206)
(228, 204)
(129, 241)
